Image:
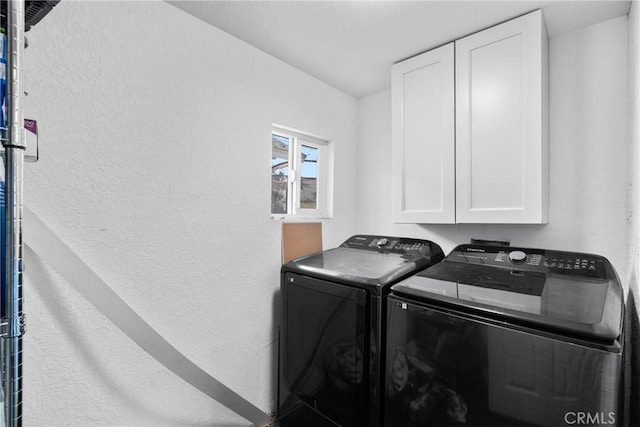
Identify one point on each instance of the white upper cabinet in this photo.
(470, 131)
(423, 162)
(501, 124)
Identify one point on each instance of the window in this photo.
(300, 175)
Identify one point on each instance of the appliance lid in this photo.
(566, 291)
(369, 261)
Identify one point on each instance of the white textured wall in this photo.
(633, 150)
(632, 359)
(588, 143)
(155, 155)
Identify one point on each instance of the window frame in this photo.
(324, 180)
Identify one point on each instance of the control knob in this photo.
(382, 242)
(517, 256)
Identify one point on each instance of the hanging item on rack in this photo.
(34, 11)
(32, 150)
(30, 126)
(3, 81)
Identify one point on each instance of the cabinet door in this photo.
(423, 173)
(501, 126)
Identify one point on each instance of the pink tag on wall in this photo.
(31, 140)
(31, 126)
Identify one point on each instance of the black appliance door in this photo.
(446, 368)
(323, 352)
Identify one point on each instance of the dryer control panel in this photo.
(534, 260)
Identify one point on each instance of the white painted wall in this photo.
(155, 169)
(588, 143)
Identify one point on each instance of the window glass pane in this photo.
(280, 146)
(309, 181)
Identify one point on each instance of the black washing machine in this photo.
(332, 334)
(496, 336)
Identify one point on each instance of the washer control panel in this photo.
(536, 260)
(386, 244)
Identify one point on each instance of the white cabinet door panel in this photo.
(501, 136)
(496, 157)
(423, 138)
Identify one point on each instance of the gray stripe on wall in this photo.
(58, 255)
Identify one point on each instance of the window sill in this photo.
(299, 218)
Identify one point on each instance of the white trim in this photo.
(296, 133)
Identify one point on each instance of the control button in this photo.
(381, 242)
(517, 256)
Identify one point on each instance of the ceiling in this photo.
(350, 45)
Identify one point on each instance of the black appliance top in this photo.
(575, 293)
(369, 262)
